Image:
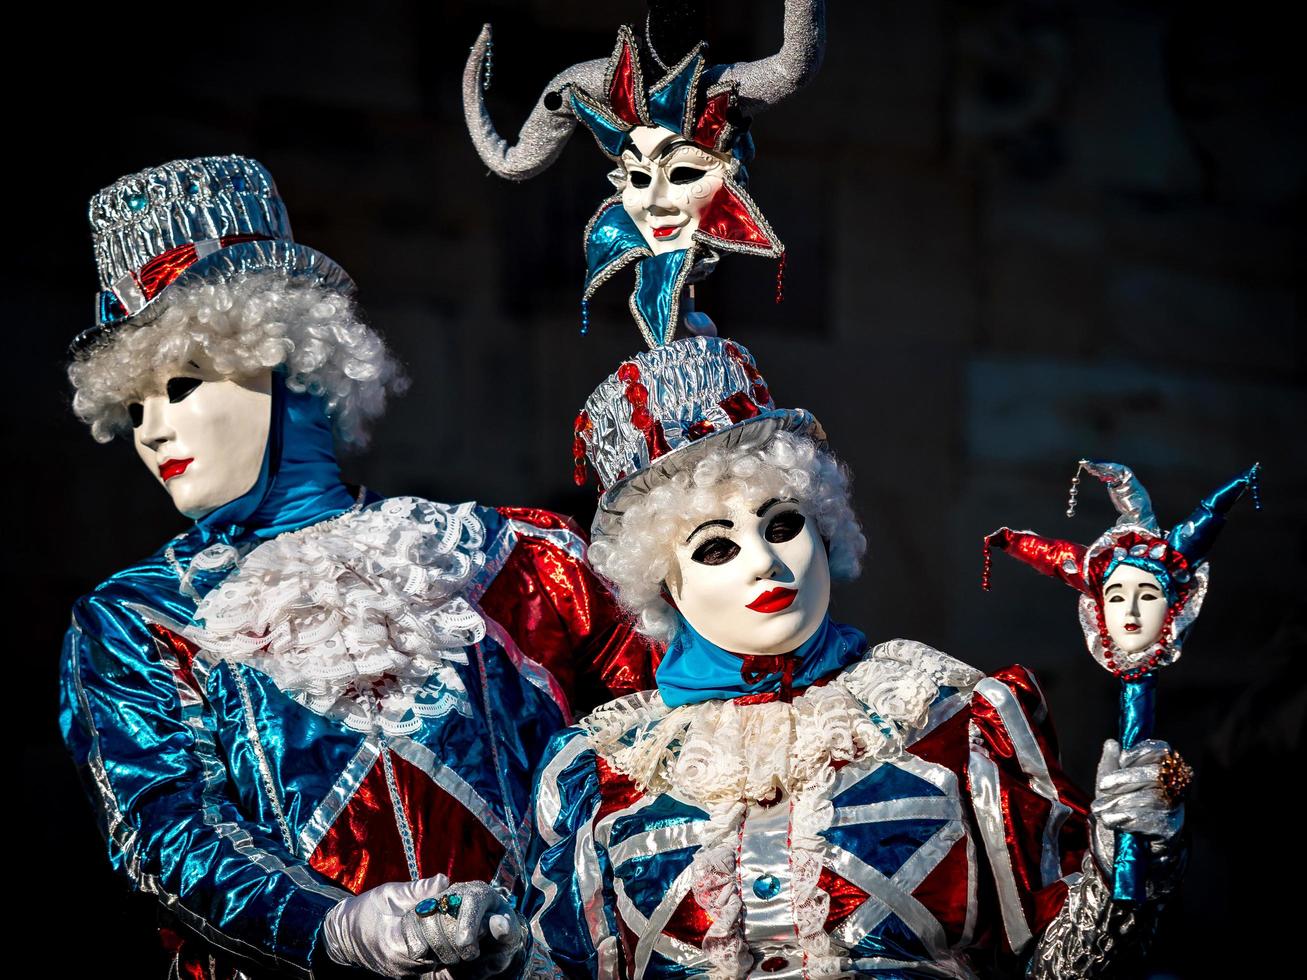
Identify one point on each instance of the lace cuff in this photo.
(1094, 936)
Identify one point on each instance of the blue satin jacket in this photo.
(247, 814)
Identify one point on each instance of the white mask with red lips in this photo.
(754, 579)
(1134, 608)
(669, 183)
(202, 434)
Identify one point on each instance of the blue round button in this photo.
(138, 202)
(767, 886)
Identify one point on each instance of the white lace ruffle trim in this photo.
(720, 751)
(360, 617)
(725, 756)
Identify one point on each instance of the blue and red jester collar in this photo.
(692, 100)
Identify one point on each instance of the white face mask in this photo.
(203, 435)
(755, 579)
(668, 186)
(1134, 608)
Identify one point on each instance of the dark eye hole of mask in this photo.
(685, 175)
(136, 412)
(179, 388)
(715, 551)
(639, 178)
(785, 526)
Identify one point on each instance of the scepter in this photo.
(1140, 591)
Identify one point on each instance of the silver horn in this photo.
(761, 84)
(545, 131)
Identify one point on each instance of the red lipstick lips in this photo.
(1132, 627)
(773, 600)
(173, 467)
(666, 232)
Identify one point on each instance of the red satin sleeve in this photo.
(1041, 808)
(561, 615)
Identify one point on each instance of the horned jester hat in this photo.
(677, 129)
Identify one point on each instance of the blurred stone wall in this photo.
(1019, 232)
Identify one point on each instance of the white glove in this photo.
(1130, 797)
(470, 928)
(367, 930)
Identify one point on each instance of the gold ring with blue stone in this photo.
(450, 904)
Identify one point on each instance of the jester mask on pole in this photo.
(678, 134)
(1177, 559)
(1140, 591)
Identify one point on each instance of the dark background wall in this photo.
(1020, 233)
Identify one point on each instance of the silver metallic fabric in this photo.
(205, 217)
(694, 392)
(1127, 494)
(1094, 936)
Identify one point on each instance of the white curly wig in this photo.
(637, 558)
(254, 323)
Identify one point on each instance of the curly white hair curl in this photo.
(638, 557)
(254, 323)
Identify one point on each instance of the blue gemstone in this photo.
(454, 901)
(238, 184)
(767, 886)
(193, 188)
(426, 907)
(138, 202)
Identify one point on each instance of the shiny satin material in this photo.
(659, 280)
(931, 861)
(250, 816)
(1194, 537)
(223, 214)
(566, 620)
(695, 669)
(1130, 866)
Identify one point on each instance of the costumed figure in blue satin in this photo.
(677, 129)
(793, 800)
(308, 722)
(1141, 589)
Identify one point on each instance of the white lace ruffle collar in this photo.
(720, 752)
(360, 617)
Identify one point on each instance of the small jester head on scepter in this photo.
(1141, 587)
(680, 141)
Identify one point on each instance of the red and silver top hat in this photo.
(657, 413)
(211, 217)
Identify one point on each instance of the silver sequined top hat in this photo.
(663, 407)
(211, 217)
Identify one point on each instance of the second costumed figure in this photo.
(792, 800)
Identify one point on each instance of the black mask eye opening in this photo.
(639, 179)
(136, 412)
(715, 551)
(179, 387)
(685, 175)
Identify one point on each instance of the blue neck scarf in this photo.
(695, 669)
(299, 483)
